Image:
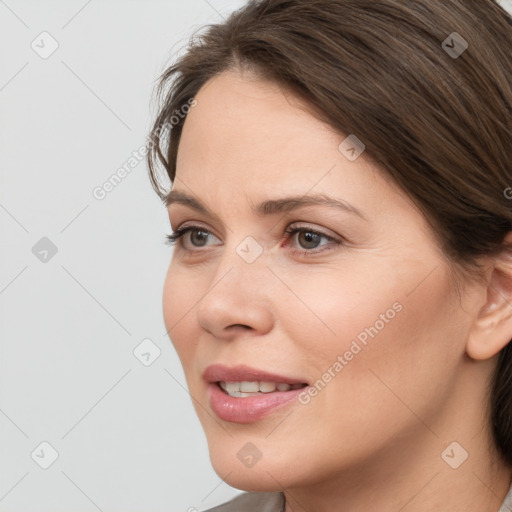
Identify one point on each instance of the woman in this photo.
(340, 291)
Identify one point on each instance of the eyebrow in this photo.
(270, 206)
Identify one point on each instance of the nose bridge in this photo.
(236, 292)
(242, 263)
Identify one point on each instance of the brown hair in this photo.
(438, 123)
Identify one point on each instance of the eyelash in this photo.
(176, 237)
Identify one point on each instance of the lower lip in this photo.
(248, 409)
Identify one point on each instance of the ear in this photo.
(492, 328)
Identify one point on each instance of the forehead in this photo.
(243, 127)
(249, 138)
(236, 112)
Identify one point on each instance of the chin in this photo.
(266, 474)
(262, 479)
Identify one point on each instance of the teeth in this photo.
(251, 388)
(267, 387)
(232, 387)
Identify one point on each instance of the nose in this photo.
(238, 299)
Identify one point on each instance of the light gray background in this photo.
(126, 434)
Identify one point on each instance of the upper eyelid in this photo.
(193, 226)
(293, 226)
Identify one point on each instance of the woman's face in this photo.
(360, 307)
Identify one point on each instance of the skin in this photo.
(373, 437)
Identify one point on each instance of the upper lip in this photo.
(240, 373)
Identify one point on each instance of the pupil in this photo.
(202, 236)
(310, 237)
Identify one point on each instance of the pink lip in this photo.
(222, 373)
(248, 409)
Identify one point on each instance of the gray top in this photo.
(506, 506)
(274, 502)
(254, 502)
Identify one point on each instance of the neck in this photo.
(421, 483)
(416, 472)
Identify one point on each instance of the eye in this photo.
(309, 239)
(178, 234)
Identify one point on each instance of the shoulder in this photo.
(253, 502)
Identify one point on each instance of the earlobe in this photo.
(492, 327)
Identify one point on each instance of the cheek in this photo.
(362, 326)
(178, 312)
(395, 348)
(384, 311)
(331, 308)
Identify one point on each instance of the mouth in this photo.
(245, 389)
(242, 394)
(247, 374)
